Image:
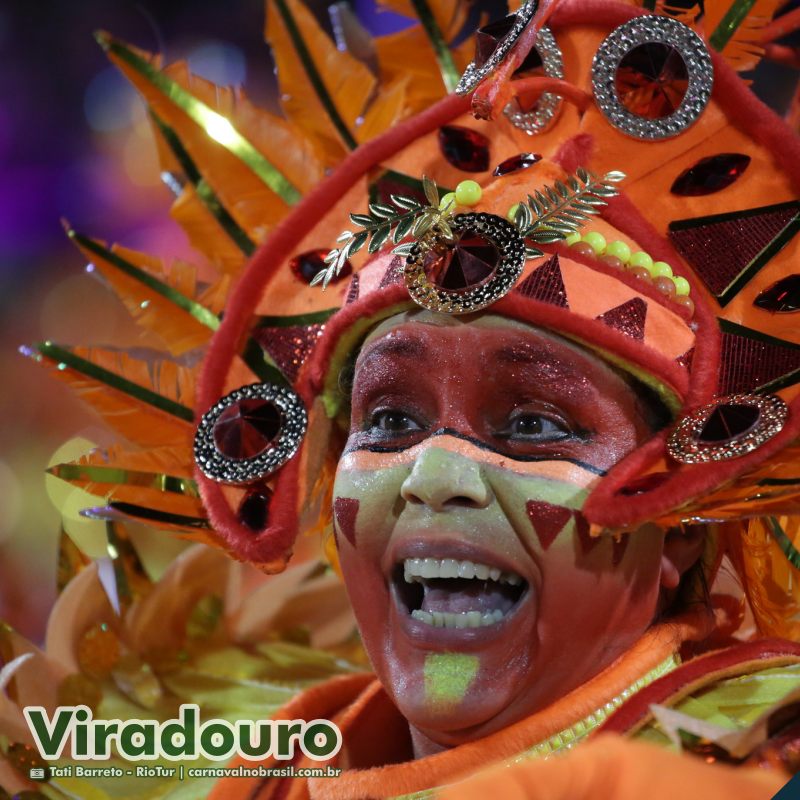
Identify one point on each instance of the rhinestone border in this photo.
(500, 232)
(645, 30)
(474, 75)
(685, 446)
(220, 468)
(548, 105)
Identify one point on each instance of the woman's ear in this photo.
(682, 548)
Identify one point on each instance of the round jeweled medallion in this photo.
(477, 267)
(728, 428)
(250, 433)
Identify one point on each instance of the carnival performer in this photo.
(526, 363)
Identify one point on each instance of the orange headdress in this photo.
(684, 279)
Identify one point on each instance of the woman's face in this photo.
(479, 594)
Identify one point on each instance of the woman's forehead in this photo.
(408, 322)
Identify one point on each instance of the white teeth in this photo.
(466, 569)
(449, 568)
(466, 619)
(415, 569)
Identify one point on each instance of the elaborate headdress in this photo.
(684, 279)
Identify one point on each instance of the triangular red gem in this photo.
(290, 346)
(727, 250)
(587, 541)
(345, 509)
(546, 284)
(751, 360)
(547, 520)
(628, 318)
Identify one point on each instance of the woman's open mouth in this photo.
(449, 593)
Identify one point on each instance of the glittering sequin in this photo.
(752, 361)
(394, 273)
(546, 284)
(628, 318)
(352, 291)
(289, 346)
(727, 250)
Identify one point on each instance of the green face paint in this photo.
(447, 678)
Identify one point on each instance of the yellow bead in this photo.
(468, 193)
(681, 286)
(619, 250)
(572, 238)
(641, 259)
(448, 200)
(661, 270)
(512, 212)
(596, 241)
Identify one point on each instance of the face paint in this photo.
(345, 511)
(472, 448)
(447, 678)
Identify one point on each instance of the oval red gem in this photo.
(254, 509)
(247, 428)
(307, 265)
(712, 174)
(782, 297)
(516, 163)
(464, 148)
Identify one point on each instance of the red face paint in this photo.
(477, 442)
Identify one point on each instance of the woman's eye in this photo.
(535, 427)
(391, 421)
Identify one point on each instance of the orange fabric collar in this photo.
(366, 721)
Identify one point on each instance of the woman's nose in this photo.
(441, 479)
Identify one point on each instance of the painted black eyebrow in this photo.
(377, 448)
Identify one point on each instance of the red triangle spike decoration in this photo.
(289, 347)
(394, 273)
(352, 291)
(546, 284)
(751, 360)
(727, 250)
(628, 318)
(686, 359)
(547, 520)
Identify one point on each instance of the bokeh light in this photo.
(108, 101)
(220, 62)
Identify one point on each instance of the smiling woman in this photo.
(473, 444)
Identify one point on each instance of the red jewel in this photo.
(470, 262)
(307, 265)
(651, 80)
(247, 428)
(516, 163)
(709, 175)
(464, 148)
(254, 509)
(782, 297)
(728, 422)
(489, 36)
